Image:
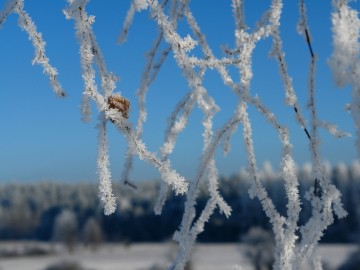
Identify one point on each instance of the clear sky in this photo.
(43, 138)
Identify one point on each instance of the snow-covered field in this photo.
(143, 256)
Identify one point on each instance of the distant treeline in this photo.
(29, 211)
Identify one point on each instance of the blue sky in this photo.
(42, 137)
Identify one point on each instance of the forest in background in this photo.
(47, 211)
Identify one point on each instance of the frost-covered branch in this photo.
(40, 58)
(127, 22)
(323, 196)
(90, 53)
(9, 8)
(105, 188)
(26, 23)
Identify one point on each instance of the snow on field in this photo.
(143, 256)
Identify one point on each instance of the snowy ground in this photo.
(143, 256)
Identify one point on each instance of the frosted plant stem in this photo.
(144, 86)
(105, 187)
(291, 98)
(127, 23)
(324, 193)
(174, 128)
(316, 261)
(161, 198)
(9, 8)
(257, 190)
(205, 103)
(27, 24)
(90, 54)
(149, 74)
(187, 234)
(129, 19)
(288, 172)
(158, 64)
(314, 141)
(285, 238)
(88, 51)
(170, 176)
(322, 217)
(179, 46)
(178, 123)
(314, 146)
(239, 14)
(75, 11)
(147, 79)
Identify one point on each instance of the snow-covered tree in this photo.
(260, 248)
(66, 229)
(92, 233)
